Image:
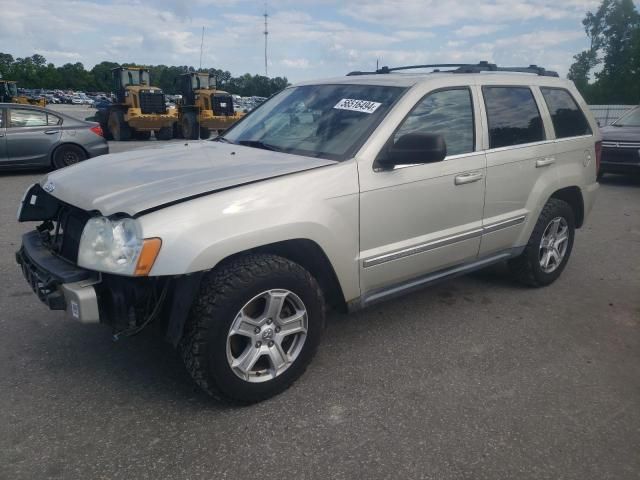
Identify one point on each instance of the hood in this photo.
(620, 134)
(139, 180)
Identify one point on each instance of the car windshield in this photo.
(631, 119)
(325, 121)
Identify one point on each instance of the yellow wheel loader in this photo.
(9, 94)
(139, 108)
(203, 109)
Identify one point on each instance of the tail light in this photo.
(598, 155)
(97, 130)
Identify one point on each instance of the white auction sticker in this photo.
(354, 105)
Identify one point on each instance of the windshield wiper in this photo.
(222, 139)
(258, 144)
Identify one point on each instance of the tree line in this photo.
(608, 72)
(36, 72)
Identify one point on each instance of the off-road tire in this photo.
(165, 133)
(142, 135)
(190, 126)
(205, 133)
(118, 128)
(67, 155)
(526, 268)
(223, 292)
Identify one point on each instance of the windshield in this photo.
(631, 119)
(326, 121)
(13, 89)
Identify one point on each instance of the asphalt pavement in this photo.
(477, 378)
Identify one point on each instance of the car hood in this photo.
(620, 134)
(139, 180)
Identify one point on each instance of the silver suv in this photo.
(340, 192)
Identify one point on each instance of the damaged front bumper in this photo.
(57, 283)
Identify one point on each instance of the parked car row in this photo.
(68, 97)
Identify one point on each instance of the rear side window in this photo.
(513, 116)
(27, 118)
(446, 112)
(568, 120)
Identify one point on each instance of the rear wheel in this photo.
(253, 329)
(165, 133)
(118, 128)
(549, 247)
(190, 127)
(205, 133)
(67, 155)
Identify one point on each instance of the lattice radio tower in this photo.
(266, 34)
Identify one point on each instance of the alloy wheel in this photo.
(267, 335)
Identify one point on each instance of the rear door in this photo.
(3, 139)
(31, 134)
(575, 143)
(520, 160)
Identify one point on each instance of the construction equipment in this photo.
(139, 108)
(203, 109)
(9, 94)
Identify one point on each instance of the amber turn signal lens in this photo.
(148, 254)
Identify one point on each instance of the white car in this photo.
(341, 192)
(77, 101)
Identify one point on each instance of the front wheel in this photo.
(165, 133)
(549, 247)
(253, 329)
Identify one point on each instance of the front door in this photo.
(418, 219)
(30, 137)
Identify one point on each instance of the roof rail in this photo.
(483, 66)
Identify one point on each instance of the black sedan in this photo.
(34, 137)
(621, 145)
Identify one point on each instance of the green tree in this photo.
(102, 79)
(613, 31)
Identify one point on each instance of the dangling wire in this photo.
(131, 331)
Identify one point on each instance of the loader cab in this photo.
(124, 77)
(8, 91)
(189, 83)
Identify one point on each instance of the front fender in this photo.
(318, 205)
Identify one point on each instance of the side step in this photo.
(397, 290)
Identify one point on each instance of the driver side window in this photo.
(445, 112)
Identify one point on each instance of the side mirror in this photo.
(415, 148)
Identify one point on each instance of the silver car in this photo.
(34, 137)
(341, 193)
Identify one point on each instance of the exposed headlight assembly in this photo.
(117, 246)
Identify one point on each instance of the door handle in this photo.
(468, 177)
(51, 132)
(544, 162)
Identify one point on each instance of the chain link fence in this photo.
(607, 114)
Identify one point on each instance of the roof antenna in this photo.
(201, 45)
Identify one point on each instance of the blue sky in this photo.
(308, 38)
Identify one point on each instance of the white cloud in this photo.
(308, 38)
(295, 62)
(468, 31)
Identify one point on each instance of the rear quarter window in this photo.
(513, 116)
(567, 117)
(53, 119)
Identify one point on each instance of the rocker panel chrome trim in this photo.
(442, 242)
